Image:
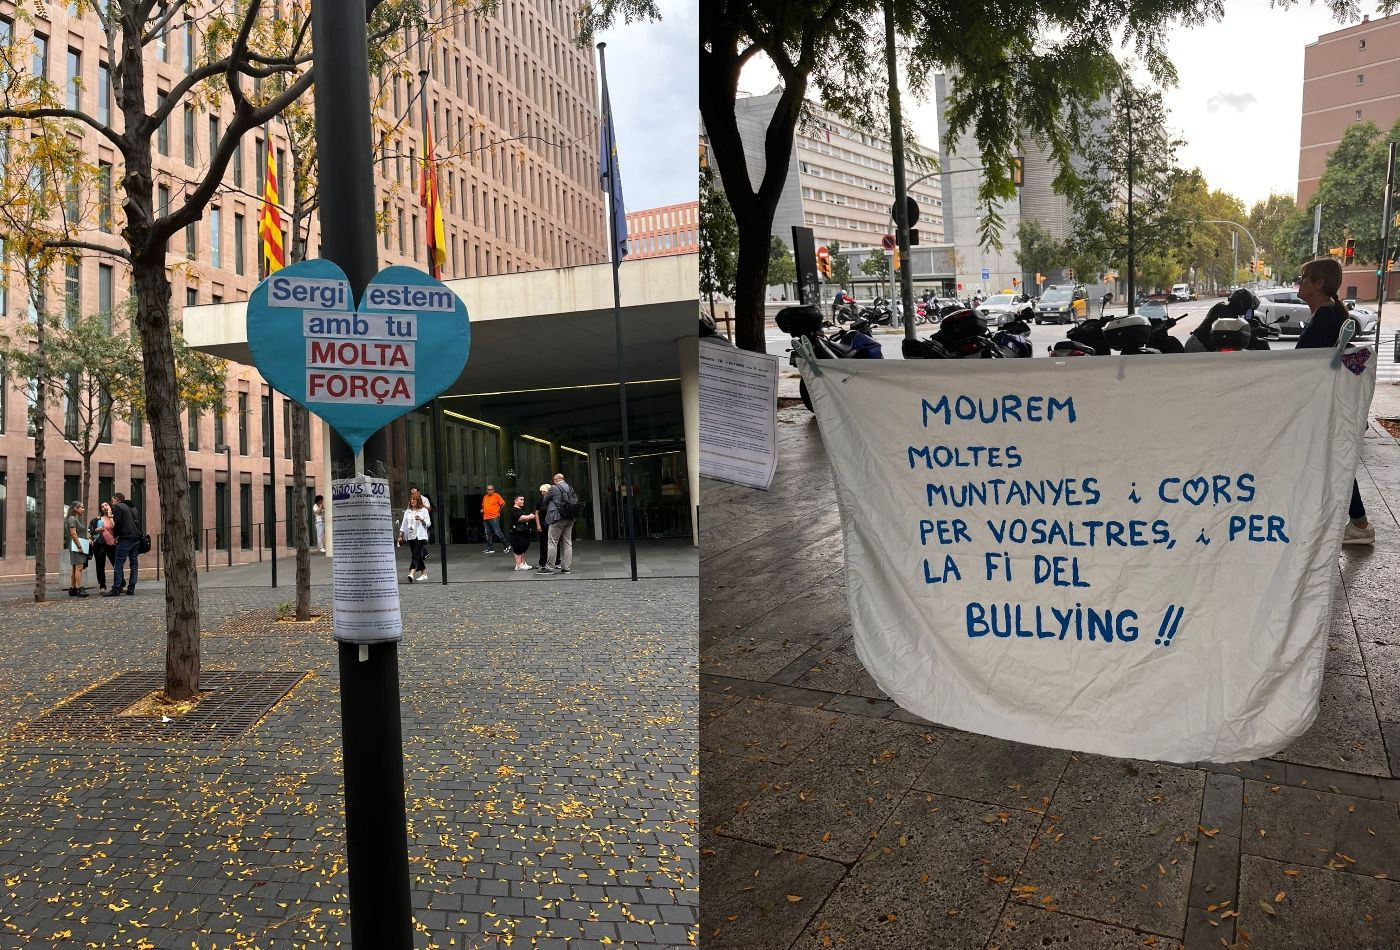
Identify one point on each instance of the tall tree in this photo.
(781, 269)
(719, 239)
(840, 266)
(1038, 252)
(1351, 188)
(1267, 222)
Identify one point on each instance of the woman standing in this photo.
(104, 542)
(414, 529)
(73, 544)
(520, 532)
(319, 510)
(1317, 287)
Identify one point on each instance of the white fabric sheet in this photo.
(1193, 505)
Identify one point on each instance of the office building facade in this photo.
(664, 231)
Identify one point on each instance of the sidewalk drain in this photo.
(234, 701)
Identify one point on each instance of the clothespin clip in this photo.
(1343, 338)
(803, 348)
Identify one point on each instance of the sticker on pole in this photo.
(357, 366)
(366, 588)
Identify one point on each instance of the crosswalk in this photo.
(1387, 368)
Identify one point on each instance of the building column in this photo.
(688, 348)
(554, 459)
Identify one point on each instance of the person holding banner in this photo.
(1317, 287)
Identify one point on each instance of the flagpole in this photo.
(430, 221)
(617, 312)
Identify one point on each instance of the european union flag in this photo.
(608, 175)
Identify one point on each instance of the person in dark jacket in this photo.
(1317, 287)
(128, 534)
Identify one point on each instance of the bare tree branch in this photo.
(51, 113)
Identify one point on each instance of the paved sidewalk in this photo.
(832, 818)
(549, 753)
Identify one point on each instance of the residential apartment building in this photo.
(1351, 75)
(513, 105)
(664, 231)
(840, 180)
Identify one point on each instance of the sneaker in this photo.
(543, 570)
(80, 592)
(564, 570)
(411, 578)
(1355, 534)
(488, 551)
(114, 592)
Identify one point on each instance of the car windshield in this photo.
(1055, 296)
(999, 300)
(1153, 311)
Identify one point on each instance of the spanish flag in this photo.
(428, 196)
(270, 219)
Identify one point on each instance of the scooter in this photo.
(963, 335)
(844, 343)
(880, 313)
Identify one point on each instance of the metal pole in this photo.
(1132, 256)
(272, 473)
(228, 504)
(901, 192)
(376, 840)
(1234, 256)
(1385, 239)
(617, 333)
(436, 423)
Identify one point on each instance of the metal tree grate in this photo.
(233, 702)
(265, 623)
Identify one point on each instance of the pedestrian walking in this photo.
(127, 529)
(414, 529)
(1317, 287)
(491, 505)
(520, 524)
(413, 492)
(318, 509)
(77, 547)
(560, 515)
(104, 543)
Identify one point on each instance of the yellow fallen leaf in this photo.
(1208, 832)
(793, 898)
(1292, 872)
(1268, 908)
(1278, 898)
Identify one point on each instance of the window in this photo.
(104, 295)
(187, 46)
(190, 240)
(287, 430)
(213, 136)
(191, 297)
(219, 428)
(71, 394)
(238, 241)
(163, 133)
(104, 196)
(4, 502)
(31, 516)
(138, 494)
(1361, 44)
(104, 417)
(192, 422)
(189, 135)
(72, 488)
(104, 94)
(245, 517)
(267, 426)
(138, 427)
(72, 302)
(238, 165)
(39, 65)
(216, 255)
(242, 423)
(163, 200)
(197, 513)
(1361, 79)
(163, 45)
(221, 516)
(75, 78)
(106, 485)
(1358, 115)
(269, 526)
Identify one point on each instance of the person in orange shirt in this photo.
(491, 505)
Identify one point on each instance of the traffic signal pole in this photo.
(901, 191)
(1385, 239)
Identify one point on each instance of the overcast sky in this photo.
(1237, 103)
(652, 82)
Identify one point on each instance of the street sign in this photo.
(358, 367)
(910, 206)
(823, 253)
(986, 274)
(887, 242)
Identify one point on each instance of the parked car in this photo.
(1004, 308)
(1063, 305)
(1180, 292)
(1283, 307)
(1365, 317)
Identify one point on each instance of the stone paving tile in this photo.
(1343, 651)
(1383, 671)
(1346, 735)
(1222, 805)
(1025, 927)
(754, 885)
(761, 729)
(547, 750)
(750, 658)
(936, 875)
(713, 705)
(1318, 827)
(731, 782)
(809, 616)
(994, 770)
(1320, 908)
(1215, 875)
(1138, 871)
(832, 798)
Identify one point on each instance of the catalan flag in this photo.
(270, 219)
(428, 196)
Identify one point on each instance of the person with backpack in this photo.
(561, 510)
(127, 529)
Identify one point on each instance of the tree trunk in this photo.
(41, 508)
(172, 479)
(299, 436)
(751, 283)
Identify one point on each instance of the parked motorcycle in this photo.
(962, 334)
(842, 343)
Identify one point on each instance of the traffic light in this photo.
(1015, 282)
(1039, 277)
(1350, 250)
(1335, 251)
(1251, 265)
(896, 260)
(1389, 266)
(1018, 171)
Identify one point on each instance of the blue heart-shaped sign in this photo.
(357, 367)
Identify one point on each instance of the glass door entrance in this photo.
(661, 497)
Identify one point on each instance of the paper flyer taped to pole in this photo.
(738, 415)
(1132, 556)
(365, 585)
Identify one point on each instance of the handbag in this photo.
(145, 544)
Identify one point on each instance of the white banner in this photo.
(738, 415)
(1132, 556)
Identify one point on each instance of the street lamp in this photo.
(228, 500)
(1236, 224)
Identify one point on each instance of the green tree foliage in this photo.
(1350, 191)
(1268, 221)
(1038, 252)
(719, 238)
(840, 266)
(781, 268)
